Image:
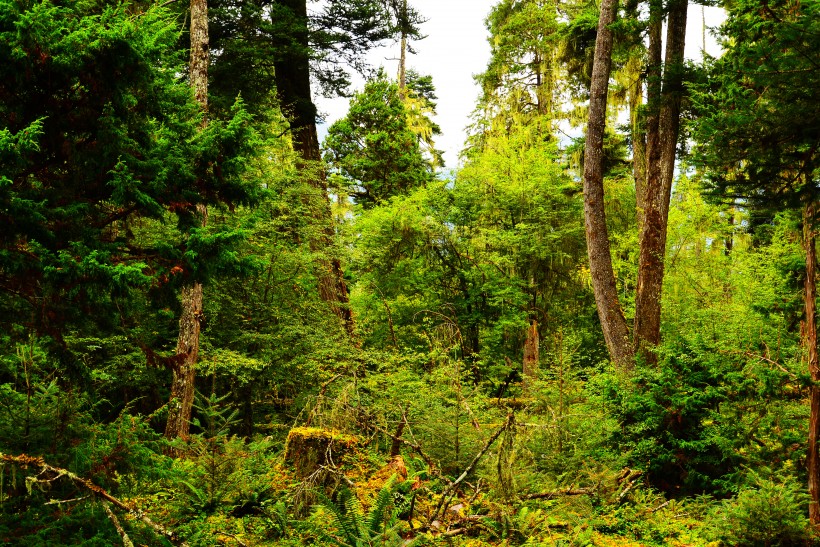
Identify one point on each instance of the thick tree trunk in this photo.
(184, 366)
(810, 345)
(613, 322)
(293, 86)
(662, 138)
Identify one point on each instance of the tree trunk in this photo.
(613, 322)
(662, 137)
(403, 54)
(531, 356)
(293, 87)
(184, 366)
(638, 149)
(810, 345)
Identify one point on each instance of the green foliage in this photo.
(771, 512)
(373, 147)
(758, 132)
(98, 132)
(354, 528)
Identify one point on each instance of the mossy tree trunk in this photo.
(184, 365)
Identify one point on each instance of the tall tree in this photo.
(663, 127)
(97, 131)
(759, 143)
(374, 147)
(613, 321)
(183, 366)
(653, 183)
(361, 26)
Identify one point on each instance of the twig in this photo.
(415, 446)
(60, 502)
(25, 461)
(126, 541)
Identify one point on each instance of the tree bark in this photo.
(613, 322)
(184, 366)
(293, 87)
(638, 150)
(663, 127)
(403, 54)
(531, 356)
(810, 345)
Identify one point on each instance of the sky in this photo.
(456, 48)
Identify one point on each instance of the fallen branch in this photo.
(633, 478)
(452, 486)
(25, 461)
(659, 507)
(126, 541)
(556, 493)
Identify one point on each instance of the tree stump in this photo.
(308, 448)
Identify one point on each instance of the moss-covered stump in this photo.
(515, 403)
(309, 447)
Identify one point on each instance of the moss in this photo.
(309, 447)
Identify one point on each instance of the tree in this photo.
(664, 94)
(665, 91)
(613, 322)
(181, 402)
(374, 148)
(759, 142)
(278, 44)
(98, 131)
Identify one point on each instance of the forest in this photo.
(218, 328)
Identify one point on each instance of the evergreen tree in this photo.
(374, 148)
(759, 136)
(98, 131)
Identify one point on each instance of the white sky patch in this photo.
(456, 48)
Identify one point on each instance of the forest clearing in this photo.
(228, 320)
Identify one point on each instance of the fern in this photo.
(354, 528)
(376, 516)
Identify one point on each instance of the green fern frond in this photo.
(340, 514)
(384, 498)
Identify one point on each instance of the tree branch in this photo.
(25, 461)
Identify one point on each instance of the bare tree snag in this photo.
(403, 55)
(810, 345)
(531, 356)
(395, 446)
(184, 369)
(613, 322)
(48, 473)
